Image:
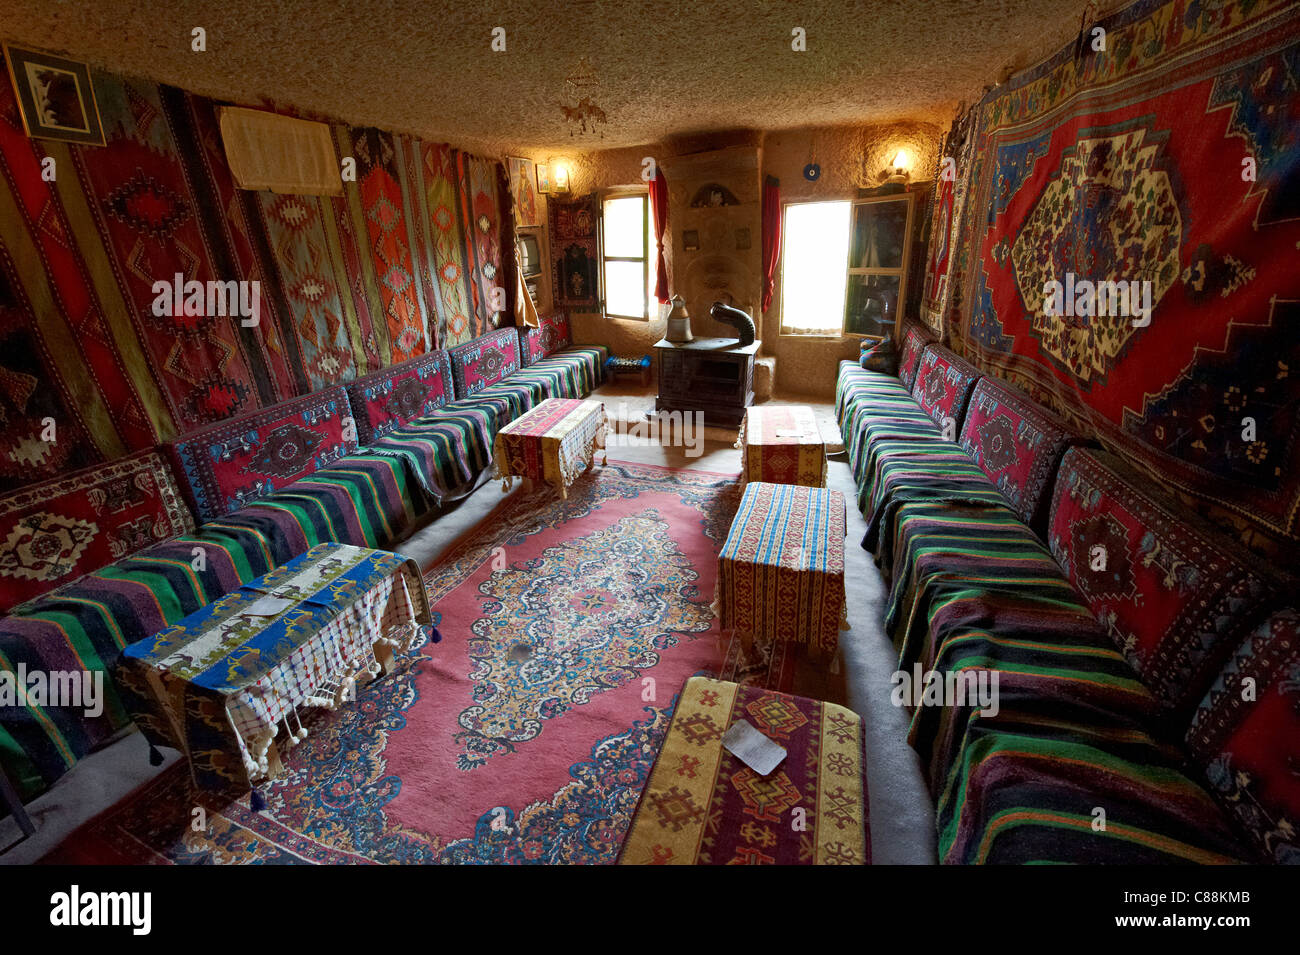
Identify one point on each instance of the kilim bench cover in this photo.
(703, 806)
(781, 570)
(218, 685)
(782, 445)
(554, 442)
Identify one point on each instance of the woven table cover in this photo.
(703, 806)
(782, 445)
(781, 570)
(218, 684)
(554, 442)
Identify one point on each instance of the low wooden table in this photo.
(220, 685)
(704, 806)
(781, 570)
(782, 444)
(555, 442)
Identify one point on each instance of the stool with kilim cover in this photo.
(704, 806)
(554, 443)
(782, 445)
(781, 570)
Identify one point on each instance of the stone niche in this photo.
(715, 212)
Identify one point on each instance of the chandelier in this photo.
(579, 106)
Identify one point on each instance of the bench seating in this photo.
(110, 555)
(1098, 678)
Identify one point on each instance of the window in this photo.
(877, 265)
(814, 250)
(819, 294)
(627, 273)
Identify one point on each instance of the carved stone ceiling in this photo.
(665, 68)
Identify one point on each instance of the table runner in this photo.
(782, 445)
(781, 570)
(704, 806)
(554, 442)
(218, 684)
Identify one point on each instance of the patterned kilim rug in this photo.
(526, 735)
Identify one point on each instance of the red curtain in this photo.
(659, 208)
(771, 236)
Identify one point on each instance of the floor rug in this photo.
(526, 735)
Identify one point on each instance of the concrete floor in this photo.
(901, 811)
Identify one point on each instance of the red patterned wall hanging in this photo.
(1128, 165)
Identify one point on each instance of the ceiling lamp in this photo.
(579, 106)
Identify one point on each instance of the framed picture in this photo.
(545, 185)
(55, 97)
(523, 188)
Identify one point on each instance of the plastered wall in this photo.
(851, 158)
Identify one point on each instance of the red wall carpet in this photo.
(1171, 156)
(341, 291)
(527, 734)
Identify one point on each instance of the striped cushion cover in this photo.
(1026, 788)
(365, 500)
(85, 626)
(975, 591)
(445, 452)
(858, 386)
(911, 469)
(573, 373)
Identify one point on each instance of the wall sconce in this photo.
(560, 172)
(900, 164)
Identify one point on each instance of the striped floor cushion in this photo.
(974, 597)
(987, 545)
(898, 470)
(880, 398)
(447, 451)
(511, 397)
(85, 626)
(365, 499)
(572, 373)
(856, 383)
(362, 499)
(1028, 788)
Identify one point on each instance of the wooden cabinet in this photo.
(712, 376)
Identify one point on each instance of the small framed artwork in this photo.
(545, 185)
(691, 240)
(55, 97)
(742, 240)
(528, 211)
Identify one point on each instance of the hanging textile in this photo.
(659, 209)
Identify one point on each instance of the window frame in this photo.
(901, 271)
(830, 334)
(627, 192)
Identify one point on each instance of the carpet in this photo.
(1171, 158)
(526, 735)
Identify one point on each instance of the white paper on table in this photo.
(795, 433)
(752, 748)
(268, 607)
